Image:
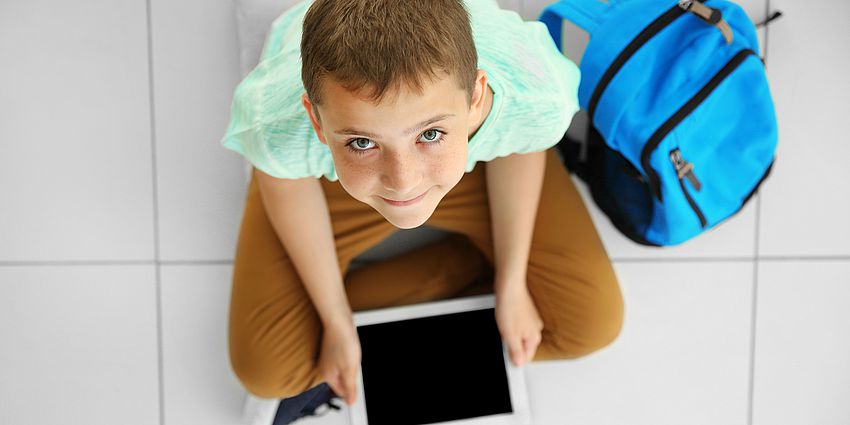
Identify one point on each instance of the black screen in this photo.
(434, 369)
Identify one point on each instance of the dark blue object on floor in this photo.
(305, 404)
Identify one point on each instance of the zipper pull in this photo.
(709, 15)
(685, 169)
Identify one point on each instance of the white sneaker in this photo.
(259, 411)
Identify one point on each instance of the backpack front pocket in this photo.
(681, 114)
(685, 171)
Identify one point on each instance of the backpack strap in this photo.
(587, 14)
(769, 19)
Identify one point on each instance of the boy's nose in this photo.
(402, 177)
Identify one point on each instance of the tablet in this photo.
(441, 362)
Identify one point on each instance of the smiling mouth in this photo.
(407, 202)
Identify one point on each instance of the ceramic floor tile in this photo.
(801, 372)
(805, 202)
(79, 345)
(201, 186)
(75, 157)
(199, 385)
(682, 356)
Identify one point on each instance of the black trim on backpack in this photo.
(702, 221)
(681, 114)
(776, 14)
(642, 38)
(628, 232)
(756, 187)
(590, 173)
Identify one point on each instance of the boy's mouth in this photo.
(407, 202)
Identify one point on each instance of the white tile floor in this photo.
(120, 212)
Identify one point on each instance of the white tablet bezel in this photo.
(516, 375)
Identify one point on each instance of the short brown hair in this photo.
(379, 44)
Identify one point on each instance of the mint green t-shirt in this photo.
(535, 95)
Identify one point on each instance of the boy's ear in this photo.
(314, 117)
(476, 107)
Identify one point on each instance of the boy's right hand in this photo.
(340, 359)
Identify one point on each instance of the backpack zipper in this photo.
(681, 114)
(642, 38)
(685, 169)
(709, 15)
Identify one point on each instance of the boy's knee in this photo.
(598, 332)
(594, 337)
(599, 324)
(266, 376)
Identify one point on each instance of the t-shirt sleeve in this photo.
(269, 126)
(550, 95)
(538, 86)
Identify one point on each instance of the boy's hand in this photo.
(340, 359)
(519, 322)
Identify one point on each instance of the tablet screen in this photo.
(434, 369)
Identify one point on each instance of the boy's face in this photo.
(407, 147)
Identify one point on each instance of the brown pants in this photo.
(275, 332)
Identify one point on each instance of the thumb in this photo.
(516, 354)
(350, 388)
(527, 347)
(336, 387)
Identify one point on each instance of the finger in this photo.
(530, 348)
(350, 388)
(516, 353)
(347, 390)
(334, 384)
(341, 388)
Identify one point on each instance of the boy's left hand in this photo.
(519, 322)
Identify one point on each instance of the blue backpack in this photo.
(683, 129)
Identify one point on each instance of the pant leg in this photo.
(274, 330)
(436, 271)
(570, 276)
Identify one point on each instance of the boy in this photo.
(396, 103)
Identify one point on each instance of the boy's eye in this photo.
(360, 145)
(430, 135)
(360, 142)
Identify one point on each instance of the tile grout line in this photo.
(157, 265)
(756, 263)
(811, 258)
(682, 260)
(761, 258)
(753, 316)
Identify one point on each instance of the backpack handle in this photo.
(587, 14)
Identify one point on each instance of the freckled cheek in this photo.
(358, 177)
(451, 160)
(362, 176)
(442, 165)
